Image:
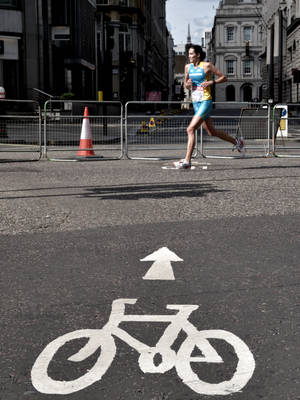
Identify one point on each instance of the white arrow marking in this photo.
(162, 268)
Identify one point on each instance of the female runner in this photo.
(198, 79)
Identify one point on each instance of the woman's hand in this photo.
(207, 83)
(189, 84)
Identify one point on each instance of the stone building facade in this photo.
(133, 43)
(236, 47)
(282, 54)
(291, 63)
(11, 33)
(48, 45)
(94, 49)
(181, 92)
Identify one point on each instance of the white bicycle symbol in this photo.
(103, 338)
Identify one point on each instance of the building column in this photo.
(135, 52)
(1, 74)
(271, 65)
(115, 22)
(280, 57)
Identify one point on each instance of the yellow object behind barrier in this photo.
(100, 95)
(283, 124)
(144, 127)
(152, 123)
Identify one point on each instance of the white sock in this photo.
(185, 161)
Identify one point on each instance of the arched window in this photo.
(230, 93)
(247, 93)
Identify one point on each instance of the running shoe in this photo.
(182, 164)
(240, 146)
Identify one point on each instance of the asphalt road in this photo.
(74, 238)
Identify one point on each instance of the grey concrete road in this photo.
(74, 238)
(59, 197)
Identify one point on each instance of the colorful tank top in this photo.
(198, 76)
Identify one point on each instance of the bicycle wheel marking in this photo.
(182, 360)
(45, 384)
(243, 373)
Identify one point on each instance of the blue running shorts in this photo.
(203, 108)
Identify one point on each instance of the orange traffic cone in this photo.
(86, 143)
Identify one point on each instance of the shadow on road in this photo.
(157, 191)
(118, 192)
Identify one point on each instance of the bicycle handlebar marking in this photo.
(103, 338)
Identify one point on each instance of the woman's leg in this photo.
(212, 131)
(191, 130)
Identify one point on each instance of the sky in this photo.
(198, 13)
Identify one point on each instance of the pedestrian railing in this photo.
(248, 120)
(286, 132)
(63, 124)
(156, 130)
(146, 130)
(20, 130)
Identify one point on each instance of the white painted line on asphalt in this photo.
(177, 168)
(201, 163)
(204, 165)
(161, 269)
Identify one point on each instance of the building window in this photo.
(60, 13)
(247, 93)
(230, 93)
(247, 67)
(124, 3)
(247, 33)
(261, 32)
(290, 50)
(9, 3)
(124, 41)
(68, 79)
(229, 67)
(230, 33)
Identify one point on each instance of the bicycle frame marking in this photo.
(181, 361)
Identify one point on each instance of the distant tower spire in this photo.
(189, 39)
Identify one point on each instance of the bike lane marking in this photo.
(161, 269)
(104, 339)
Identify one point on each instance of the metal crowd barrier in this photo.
(20, 130)
(286, 132)
(248, 120)
(157, 128)
(63, 122)
(153, 130)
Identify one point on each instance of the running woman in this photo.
(198, 79)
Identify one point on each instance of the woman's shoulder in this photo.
(207, 65)
(187, 67)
